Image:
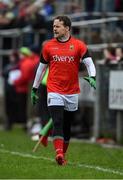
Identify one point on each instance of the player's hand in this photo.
(34, 97)
(92, 81)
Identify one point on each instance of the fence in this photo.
(106, 101)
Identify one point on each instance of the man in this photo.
(27, 66)
(119, 54)
(63, 54)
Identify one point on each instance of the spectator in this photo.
(109, 55)
(28, 64)
(119, 54)
(10, 73)
(43, 7)
(6, 16)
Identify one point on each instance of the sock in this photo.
(65, 146)
(58, 145)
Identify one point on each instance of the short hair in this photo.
(66, 20)
(111, 50)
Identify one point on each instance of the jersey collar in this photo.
(63, 41)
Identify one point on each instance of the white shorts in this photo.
(70, 102)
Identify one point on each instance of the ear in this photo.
(67, 27)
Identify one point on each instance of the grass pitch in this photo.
(85, 161)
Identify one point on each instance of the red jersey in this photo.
(64, 59)
(28, 67)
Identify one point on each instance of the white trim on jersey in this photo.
(39, 74)
(90, 66)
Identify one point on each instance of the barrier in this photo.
(107, 120)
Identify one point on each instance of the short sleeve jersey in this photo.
(64, 60)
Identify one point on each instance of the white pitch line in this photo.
(97, 168)
(25, 155)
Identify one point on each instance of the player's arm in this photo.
(38, 77)
(87, 60)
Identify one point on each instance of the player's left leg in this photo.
(68, 119)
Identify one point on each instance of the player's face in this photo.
(59, 29)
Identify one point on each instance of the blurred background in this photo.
(24, 27)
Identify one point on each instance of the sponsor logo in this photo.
(63, 58)
(71, 47)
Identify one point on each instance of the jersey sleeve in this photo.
(44, 54)
(82, 49)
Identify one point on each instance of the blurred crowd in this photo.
(20, 13)
(36, 16)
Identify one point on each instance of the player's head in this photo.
(61, 26)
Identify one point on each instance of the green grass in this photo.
(85, 161)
